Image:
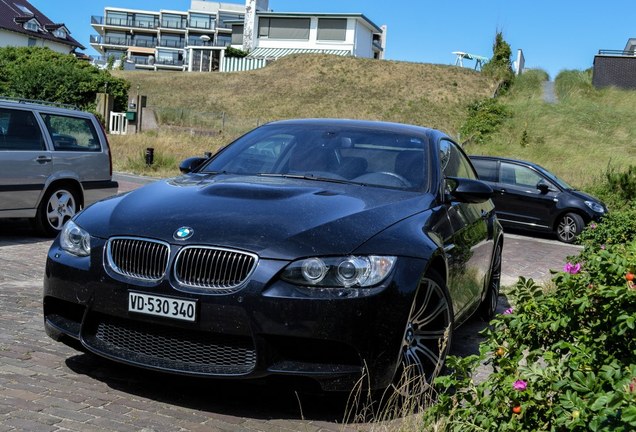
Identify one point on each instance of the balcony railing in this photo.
(125, 22)
(144, 43)
(171, 44)
(629, 53)
(172, 25)
(169, 62)
(202, 25)
(114, 40)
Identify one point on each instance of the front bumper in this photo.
(268, 327)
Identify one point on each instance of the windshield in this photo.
(328, 153)
(555, 179)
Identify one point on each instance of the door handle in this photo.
(43, 159)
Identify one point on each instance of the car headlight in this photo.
(598, 208)
(339, 272)
(75, 240)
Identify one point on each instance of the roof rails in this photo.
(39, 102)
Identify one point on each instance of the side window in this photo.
(19, 131)
(454, 162)
(486, 169)
(71, 133)
(518, 175)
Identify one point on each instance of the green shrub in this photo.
(485, 116)
(616, 227)
(42, 74)
(562, 360)
(572, 82)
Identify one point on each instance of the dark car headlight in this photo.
(594, 206)
(75, 239)
(339, 272)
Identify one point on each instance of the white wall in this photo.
(8, 38)
(363, 46)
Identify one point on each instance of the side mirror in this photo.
(469, 190)
(190, 164)
(543, 187)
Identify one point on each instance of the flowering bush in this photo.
(563, 360)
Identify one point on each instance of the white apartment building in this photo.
(196, 39)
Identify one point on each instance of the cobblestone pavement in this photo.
(47, 386)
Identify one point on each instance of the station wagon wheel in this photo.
(426, 339)
(569, 227)
(488, 306)
(56, 208)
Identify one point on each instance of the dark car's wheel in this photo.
(488, 306)
(427, 338)
(58, 206)
(569, 227)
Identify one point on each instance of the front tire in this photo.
(427, 338)
(58, 205)
(569, 227)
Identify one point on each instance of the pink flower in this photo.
(593, 225)
(508, 311)
(520, 385)
(572, 268)
(602, 247)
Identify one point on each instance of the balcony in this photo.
(172, 25)
(171, 44)
(618, 53)
(98, 20)
(168, 62)
(125, 22)
(109, 40)
(144, 43)
(201, 25)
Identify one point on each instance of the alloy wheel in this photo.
(60, 208)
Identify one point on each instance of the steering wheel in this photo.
(381, 177)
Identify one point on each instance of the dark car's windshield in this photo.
(555, 179)
(334, 153)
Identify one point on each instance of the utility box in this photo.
(131, 115)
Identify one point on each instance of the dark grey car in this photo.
(53, 162)
(529, 197)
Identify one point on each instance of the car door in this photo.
(25, 161)
(470, 245)
(519, 201)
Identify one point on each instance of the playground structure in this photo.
(460, 56)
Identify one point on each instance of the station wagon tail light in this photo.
(75, 240)
(339, 272)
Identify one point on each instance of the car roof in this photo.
(40, 106)
(367, 124)
(504, 159)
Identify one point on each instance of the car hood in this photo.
(278, 218)
(585, 197)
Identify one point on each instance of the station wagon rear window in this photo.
(71, 133)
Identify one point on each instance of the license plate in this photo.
(162, 306)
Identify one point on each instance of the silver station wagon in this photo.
(53, 162)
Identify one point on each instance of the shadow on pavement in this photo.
(263, 399)
(18, 231)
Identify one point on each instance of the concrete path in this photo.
(549, 93)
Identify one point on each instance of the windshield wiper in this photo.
(310, 177)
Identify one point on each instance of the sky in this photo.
(553, 34)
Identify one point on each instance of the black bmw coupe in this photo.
(322, 249)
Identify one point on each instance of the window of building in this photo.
(32, 41)
(32, 25)
(332, 29)
(24, 9)
(145, 21)
(226, 18)
(60, 33)
(171, 41)
(284, 28)
(202, 21)
(237, 35)
(223, 40)
(172, 21)
(142, 40)
(117, 18)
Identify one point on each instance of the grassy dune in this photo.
(577, 138)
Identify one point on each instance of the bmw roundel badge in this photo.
(183, 233)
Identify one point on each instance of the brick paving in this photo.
(47, 386)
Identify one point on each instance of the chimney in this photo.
(249, 24)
